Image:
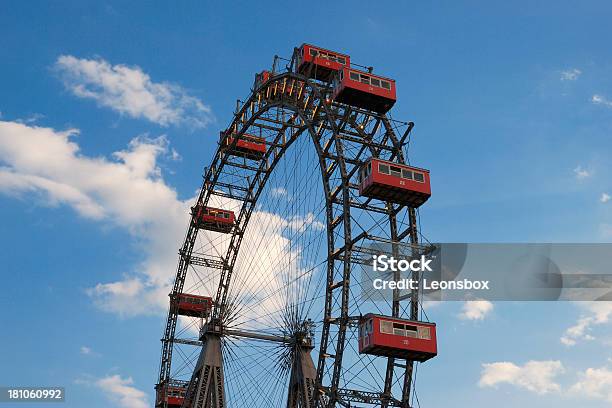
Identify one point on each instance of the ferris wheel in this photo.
(268, 307)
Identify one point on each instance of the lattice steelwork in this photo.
(285, 281)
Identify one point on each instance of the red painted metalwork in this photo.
(364, 90)
(399, 338)
(193, 305)
(249, 146)
(262, 77)
(172, 395)
(397, 183)
(213, 219)
(320, 63)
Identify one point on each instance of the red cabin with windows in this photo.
(320, 63)
(249, 146)
(399, 338)
(262, 77)
(172, 394)
(213, 219)
(192, 305)
(364, 90)
(397, 183)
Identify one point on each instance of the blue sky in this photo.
(513, 112)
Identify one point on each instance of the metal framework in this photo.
(286, 108)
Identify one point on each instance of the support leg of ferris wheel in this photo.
(207, 389)
(303, 376)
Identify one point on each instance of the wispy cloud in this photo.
(597, 313)
(88, 351)
(540, 377)
(126, 190)
(476, 310)
(33, 118)
(535, 376)
(570, 74)
(582, 173)
(122, 392)
(278, 192)
(130, 91)
(601, 100)
(605, 197)
(594, 383)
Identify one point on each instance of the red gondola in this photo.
(364, 90)
(173, 394)
(249, 146)
(398, 183)
(193, 305)
(399, 338)
(262, 77)
(213, 219)
(321, 63)
(289, 86)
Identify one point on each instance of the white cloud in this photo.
(581, 173)
(31, 119)
(594, 383)
(87, 351)
(119, 296)
(299, 223)
(121, 392)
(579, 331)
(126, 190)
(605, 197)
(597, 313)
(476, 309)
(570, 74)
(130, 91)
(11, 182)
(601, 100)
(535, 376)
(279, 192)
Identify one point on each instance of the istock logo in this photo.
(383, 263)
